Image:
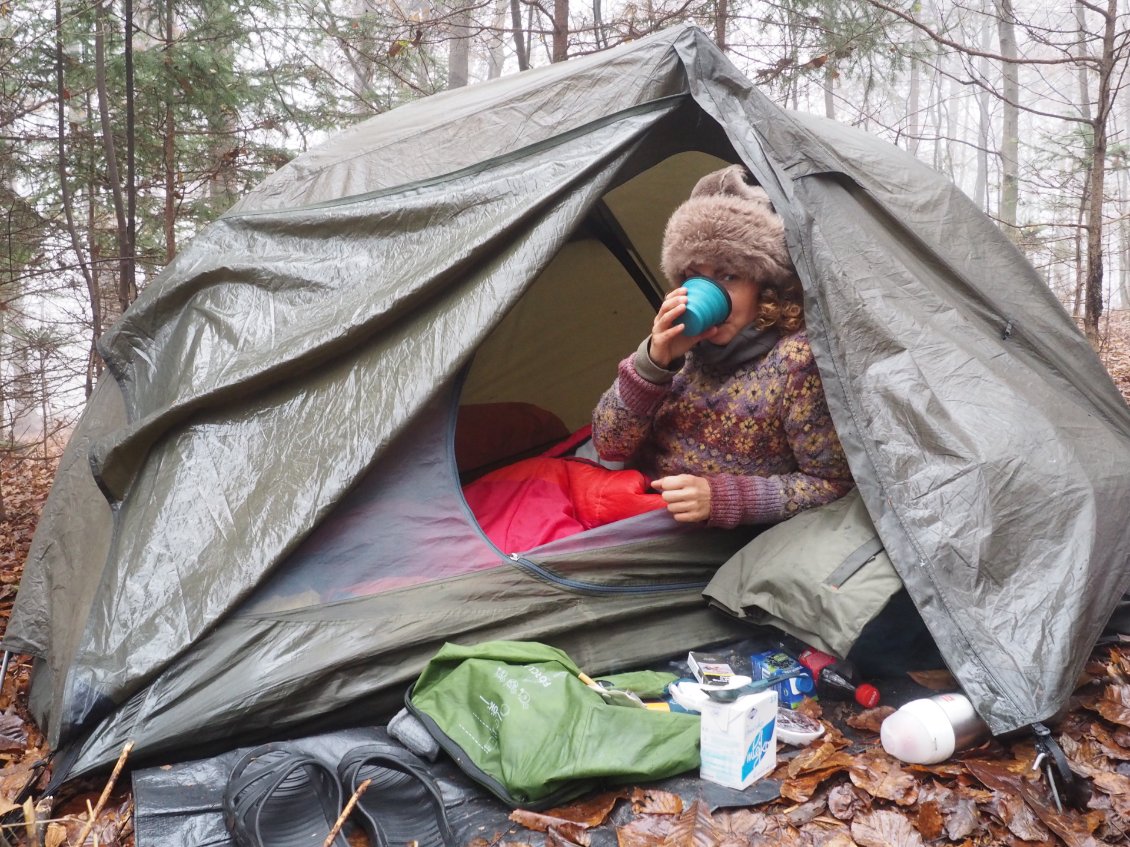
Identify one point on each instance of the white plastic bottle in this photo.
(927, 731)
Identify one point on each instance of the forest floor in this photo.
(836, 793)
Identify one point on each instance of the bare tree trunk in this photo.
(496, 55)
(1093, 296)
(721, 19)
(1080, 240)
(459, 47)
(1124, 254)
(1085, 110)
(984, 134)
(827, 82)
(984, 117)
(92, 369)
(519, 39)
(128, 281)
(1081, 50)
(913, 122)
(598, 25)
(1010, 128)
(938, 102)
(170, 147)
(109, 147)
(1123, 239)
(44, 406)
(560, 31)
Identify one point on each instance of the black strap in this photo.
(1066, 786)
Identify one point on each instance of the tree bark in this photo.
(721, 19)
(170, 140)
(108, 145)
(1080, 241)
(1124, 251)
(984, 115)
(828, 80)
(459, 47)
(128, 278)
(1010, 125)
(519, 39)
(92, 368)
(496, 54)
(560, 31)
(913, 120)
(1093, 294)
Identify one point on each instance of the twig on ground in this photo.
(97, 810)
(340, 822)
(30, 824)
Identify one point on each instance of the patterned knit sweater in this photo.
(761, 435)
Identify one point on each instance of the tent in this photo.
(257, 528)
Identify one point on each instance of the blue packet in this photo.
(790, 692)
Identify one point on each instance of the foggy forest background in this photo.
(128, 125)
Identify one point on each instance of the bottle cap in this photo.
(918, 733)
(867, 695)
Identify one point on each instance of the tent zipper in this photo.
(595, 588)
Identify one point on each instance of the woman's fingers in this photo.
(669, 311)
(687, 496)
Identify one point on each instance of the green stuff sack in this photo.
(515, 716)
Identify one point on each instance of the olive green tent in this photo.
(258, 527)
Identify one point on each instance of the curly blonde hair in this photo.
(781, 304)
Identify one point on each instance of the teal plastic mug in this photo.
(708, 305)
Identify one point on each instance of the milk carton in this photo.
(739, 739)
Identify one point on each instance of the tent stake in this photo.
(4, 667)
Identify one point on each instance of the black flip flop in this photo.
(402, 804)
(279, 796)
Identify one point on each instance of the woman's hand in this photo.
(667, 342)
(687, 497)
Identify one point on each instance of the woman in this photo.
(732, 422)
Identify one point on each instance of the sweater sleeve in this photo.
(822, 473)
(623, 419)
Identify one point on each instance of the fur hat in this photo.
(729, 223)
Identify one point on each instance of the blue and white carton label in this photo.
(739, 739)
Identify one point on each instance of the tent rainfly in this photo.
(258, 527)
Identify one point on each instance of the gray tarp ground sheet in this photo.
(182, 804)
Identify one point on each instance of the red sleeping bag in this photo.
(534, 501)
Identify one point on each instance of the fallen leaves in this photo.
(936, 680)
(13, 733)
(870, 720)
(882, 776)
(589, 811)
(661, 819)
(883, 828)
(1115, 704)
